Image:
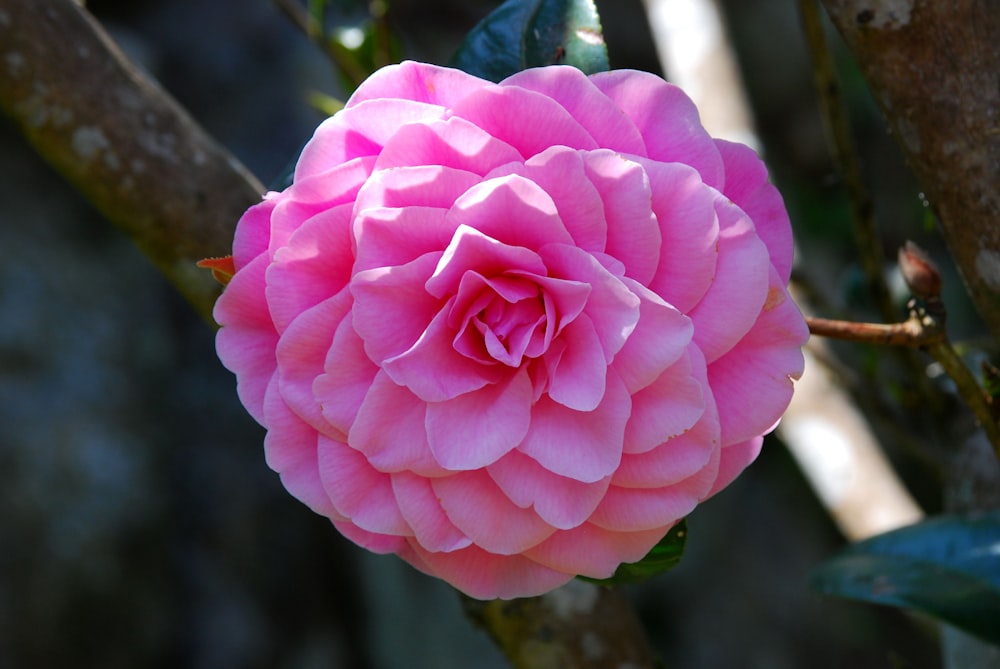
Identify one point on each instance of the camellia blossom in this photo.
(513, 332)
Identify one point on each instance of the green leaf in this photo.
(532, 33)
(664, 556)
(947, 567)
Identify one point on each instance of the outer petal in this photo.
(347, 376)
(735, 458)
(253, 231)
(360, 130)
(454, 142)
(290, 449)
(568, 86)
(633, 233)
(559, 501)
(478, 428)
(593, 551)
(689, 226)
(246, 342)
(422, 510)
(666, 408)
(753, 382)
(485, 575)
(418, 81)
(312, 267)
(748, 187)
(667, 119)
(660, 338)
(637, 509)
(302, 352)
(584, 446)
(358, 491)
(728, 310)
(418, 186)
(477, 507)
(528, 121)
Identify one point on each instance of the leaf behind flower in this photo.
(533, 33)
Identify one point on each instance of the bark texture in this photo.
(121, 140)
(934, 68)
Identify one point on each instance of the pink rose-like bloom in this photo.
(513, 332)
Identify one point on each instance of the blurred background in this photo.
(139, 525)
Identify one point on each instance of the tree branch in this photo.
(932, 67)
(123, 142)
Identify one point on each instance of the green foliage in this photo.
(532, 33)
(947, 567)
(664, 556)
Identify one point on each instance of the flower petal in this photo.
(734, 459)
(391, 307)
(358, 492)
(246, 340)
(453, 142)
(585, 446)
(638, 509)
(747, 185)
(660, 338)
(559, 501)
(435, 371)
(290, 449)
(667, 119)
(389, 430)
(591, 108)
(528, 121)
(485, 575)
(422, 510)
(577, 376)
(689, 226)
(477, 507)
(313, 266)
(730, 307)
(388, 237)
(360, 130)
(512, 210)
(419, 186)
(478, 428)
(753, 382)
(302, 352)
(633, 232)
(559, 172)
(666, 408)
(347, 376)
(418, 81)
(612, 307)
(593, 551)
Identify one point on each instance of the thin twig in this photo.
(340, 56)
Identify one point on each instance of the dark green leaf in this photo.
(947, 567)
(664, 556)
(532, 33)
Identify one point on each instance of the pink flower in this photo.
(513, 332)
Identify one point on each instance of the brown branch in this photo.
(121, 140)
(908, 333)
(578, 626)
(932, 67)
